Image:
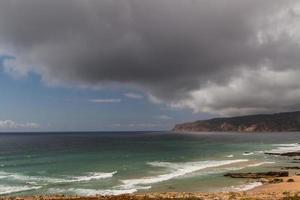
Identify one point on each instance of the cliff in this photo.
(289, 121)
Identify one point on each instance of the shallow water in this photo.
(126, 162)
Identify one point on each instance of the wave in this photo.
(285, 148)
(259, 151)
(177, 170)
(244, 187)
(259, 164)
(90, 192)
(230, 156)
(223, 170)
(5, 189)
(247, 153)
(92, 176)
(34, 179)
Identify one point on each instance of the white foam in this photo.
(259, 164)
(230, 156)
(248, 153)
(177, 170)
(90, 192)
(259, 151)
(285, 148)
(92, 176)
(5, 189)
(244, 187)
(88, 177)
(4, 175)
(25, 178)
(287, 145)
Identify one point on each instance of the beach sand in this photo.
(284, 186)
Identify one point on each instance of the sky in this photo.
(28, 104)
(90, 65)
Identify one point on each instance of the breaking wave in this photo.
(285, 148)
(259, 164)
(35, 179)
(90, 192)
(244, 187)
(5, 189)
(92, 176)
(247, 153)
(176, 170)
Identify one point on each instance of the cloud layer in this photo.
(227, 57)
(9, 124)
(105, 100)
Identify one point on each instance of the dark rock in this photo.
(291, 168)
(263, 180)
(258, 175)
(290, 180)
(276, 180)
(289, 154)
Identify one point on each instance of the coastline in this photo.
(271, 195)
(276, 191)
(284, 186)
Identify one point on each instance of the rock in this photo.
(289, 154)
(263, 180)
(291, 168)
(258, 175)
(276, 180)
(290, 180)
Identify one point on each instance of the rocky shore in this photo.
(175, 196)
(258, 175)
(288, 154)
(285, 189)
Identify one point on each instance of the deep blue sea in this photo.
(89, 163)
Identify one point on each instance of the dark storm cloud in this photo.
(208, 55)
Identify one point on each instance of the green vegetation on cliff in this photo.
(288, 121)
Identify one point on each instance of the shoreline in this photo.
(268, 191)
(250, 195)
(284, 186)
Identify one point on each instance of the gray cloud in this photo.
(214, 56)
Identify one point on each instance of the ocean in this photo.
(110, 163)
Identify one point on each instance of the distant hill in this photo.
(288, 121)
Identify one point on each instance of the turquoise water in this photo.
(127, 162)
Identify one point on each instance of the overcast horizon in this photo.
(121, 65)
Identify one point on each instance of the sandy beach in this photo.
(284, 186)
